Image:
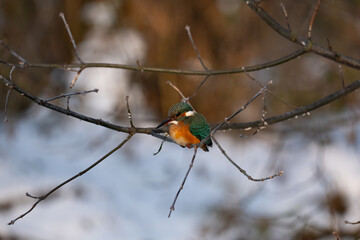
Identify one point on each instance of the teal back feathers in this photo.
(199, 127)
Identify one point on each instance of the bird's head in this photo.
(177, 113)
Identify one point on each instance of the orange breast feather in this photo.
(180, 133)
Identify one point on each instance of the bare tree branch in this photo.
(178, 90)
(20, 58)
(195, 48)
(201, 62)
(307, 45)
(129, 114)
(8, 94)
(183, 98)
(64, 95)
(352, 223)
(313, 18)
(160, 147)
(268, 91)
(286, 16)
(78, 66)
(71, 37)
(300, 111)
(341, 76)
(76, 77)
(75, 50)
(6, 104)
(100, 122)
(42, 198)
(199, 86)
(304, 110)
(242, 170)
(263, 123)
(172, 207)
(227, 120)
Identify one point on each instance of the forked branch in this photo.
(241, 169)
(300, 111)
(43, 197)
(304, 42)
(75, 50)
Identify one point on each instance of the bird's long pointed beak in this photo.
(164, 122)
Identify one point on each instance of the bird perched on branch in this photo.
(187, 127)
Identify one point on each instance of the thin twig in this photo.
(263, 123)
(151, 131)
(330, 47)
(176, 89)
(75, 66)
(41, 198)
(187, 27)
(227, 120)
(11, 73)
(76, 77)
(6, 104)
(64, 95)
(199, 86)
(264, 111)
(313, 18)
(172, 207)
(31, 196)
(261, 91)
(304, 42)
(300, 111)
(251, 78)
(71, 37)
(10, 64)
(7, 95)
(68, 103)
(341, 76)
(20, 58)
(268, 91)
(200, 60)
(352, 223)
(161, 145)
(286, 16)
(75, 50)
(129, 113)
(184, 99)
(242, 170)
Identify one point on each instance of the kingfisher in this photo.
(187, 127)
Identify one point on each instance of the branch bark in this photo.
(304, 42)
(155, 132)
(42, 198)
(78, 66)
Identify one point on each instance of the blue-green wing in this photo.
(200, 128)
